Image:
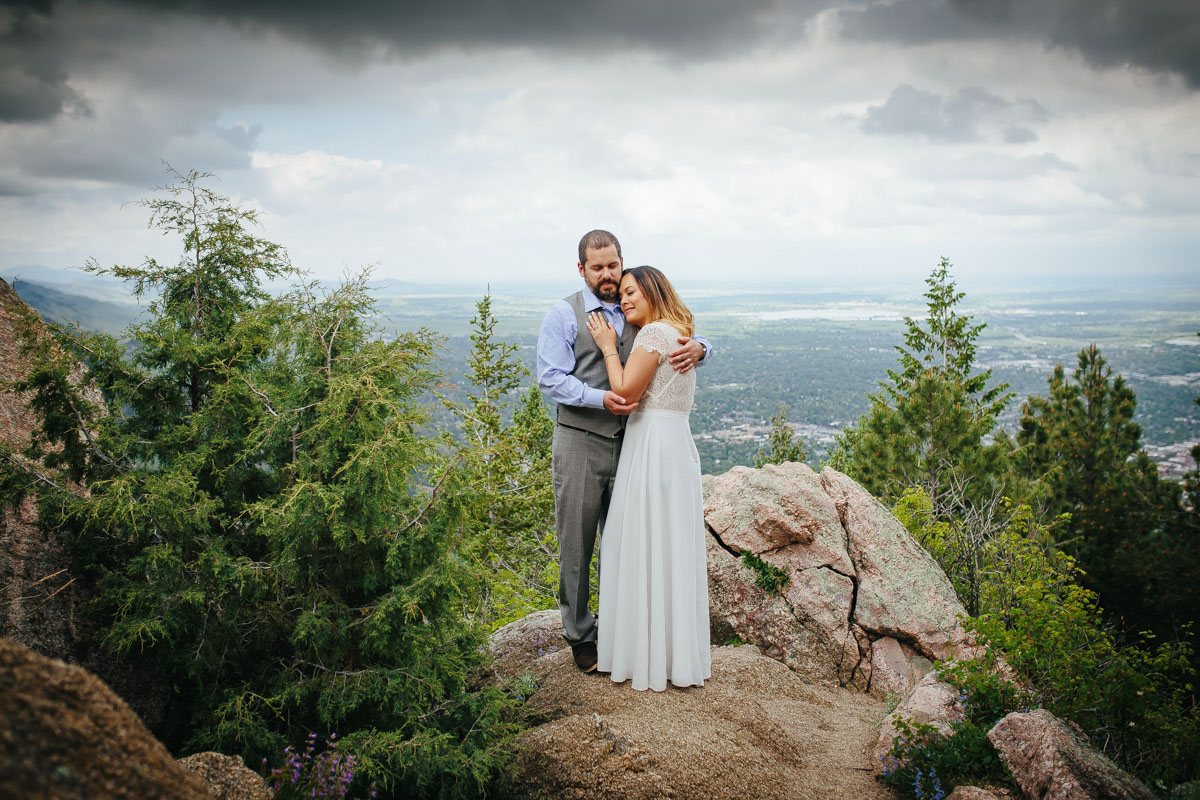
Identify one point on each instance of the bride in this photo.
(653, 576)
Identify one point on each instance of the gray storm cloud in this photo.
(33, 78)
(421, 25)
(38, 36)
(1160, 35)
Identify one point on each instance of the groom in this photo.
(591, 422)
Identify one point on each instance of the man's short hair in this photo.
(597, 240)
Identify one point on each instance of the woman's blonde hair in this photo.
(664, 301)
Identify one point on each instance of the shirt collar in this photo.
(591, 302)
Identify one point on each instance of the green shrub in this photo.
(1135, 700)
(768, 577)
(267, 528)
(927, 764)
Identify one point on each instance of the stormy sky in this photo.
(827, 142)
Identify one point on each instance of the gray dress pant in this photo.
(584, 466)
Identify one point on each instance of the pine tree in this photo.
(783, 444)
(1187, 526)
(1191, 488)
(928, 425)
(266, 525)
(506, 478)
(1081, 445)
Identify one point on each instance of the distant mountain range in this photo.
(91, 314)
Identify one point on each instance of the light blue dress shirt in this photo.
(556, 352)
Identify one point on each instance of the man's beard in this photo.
(607, 291)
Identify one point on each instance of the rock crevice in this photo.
(721, 542)
(853, 593)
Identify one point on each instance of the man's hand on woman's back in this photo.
(687, 356)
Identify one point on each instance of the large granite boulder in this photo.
(1050, 760)
(902, 592)
(67, 735)
(739, 609)
(865, 606)
(755, 729)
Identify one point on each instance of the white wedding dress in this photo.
(653, 576)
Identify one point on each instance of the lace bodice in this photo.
(668, 389)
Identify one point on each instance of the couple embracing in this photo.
(617, 357)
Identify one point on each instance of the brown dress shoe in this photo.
(585, 656)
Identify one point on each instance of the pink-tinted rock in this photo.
(530, 644)
(822, 596)
(895, 666)
(932, 702)
(857, 645)
(864, 604)
(780, 510)
(738, 608)
(902, 592)
(1052, 761)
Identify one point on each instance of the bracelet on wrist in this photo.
(610, 355)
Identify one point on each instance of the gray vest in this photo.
(589, 368)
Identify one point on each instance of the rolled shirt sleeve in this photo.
(708, 350)
(556, 359)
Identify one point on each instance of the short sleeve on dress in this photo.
(657, 337)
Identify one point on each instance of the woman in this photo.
(654, 580)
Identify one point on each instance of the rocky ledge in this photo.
(755, 729)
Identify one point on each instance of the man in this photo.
(591, 421)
